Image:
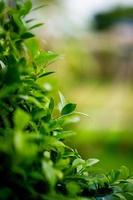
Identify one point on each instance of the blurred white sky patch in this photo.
(82, 10)
(72, 17)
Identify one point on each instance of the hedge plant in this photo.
(35, 163)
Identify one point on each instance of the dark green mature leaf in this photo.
(30, 20)
(27, 35)
(39, 7)
(62, 99)
(45, 74)
(69, 108)
(36, 25)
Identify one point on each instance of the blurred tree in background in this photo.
(104, 20)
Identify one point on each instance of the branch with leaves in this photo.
(35, 161)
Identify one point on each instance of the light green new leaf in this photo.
(45, 57)
(65, 134)
(78, 162)
(124, 172)
(24, 145)
(32, 46)
(2, 66)
(62, 99)
(49, 173)
(73, 189)
(2, 6)
(62, 102)
(44, 74)
(21, 119)
(92, 161)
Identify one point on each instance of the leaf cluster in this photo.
(35, 162)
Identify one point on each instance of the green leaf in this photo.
(45, 57)
(81, 113)
(51, 104)
(120, 196)
(21, 119)
(65, 134)
(71, 119)
(130, 193)
(19, 23)
(78, 162)
(130, 180)
(62, 163)
(32, 99)
(22, 142)
(62, 101)
(32, 46)
(30, 20)
(39, 7)
(92, 161)
(2, 6)
(124, 172)
(26, 7)
(36, 25)
(38, 113)
(113, 175)
(49, 173)
(69, 108)
(2, 66)
(73, 188)
(53, 143)
(27, 35)
(45, 74)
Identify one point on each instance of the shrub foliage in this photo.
(35, 163)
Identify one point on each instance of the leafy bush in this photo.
(35, 163)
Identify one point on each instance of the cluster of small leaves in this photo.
(35, 162)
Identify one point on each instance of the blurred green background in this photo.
(95, 70)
